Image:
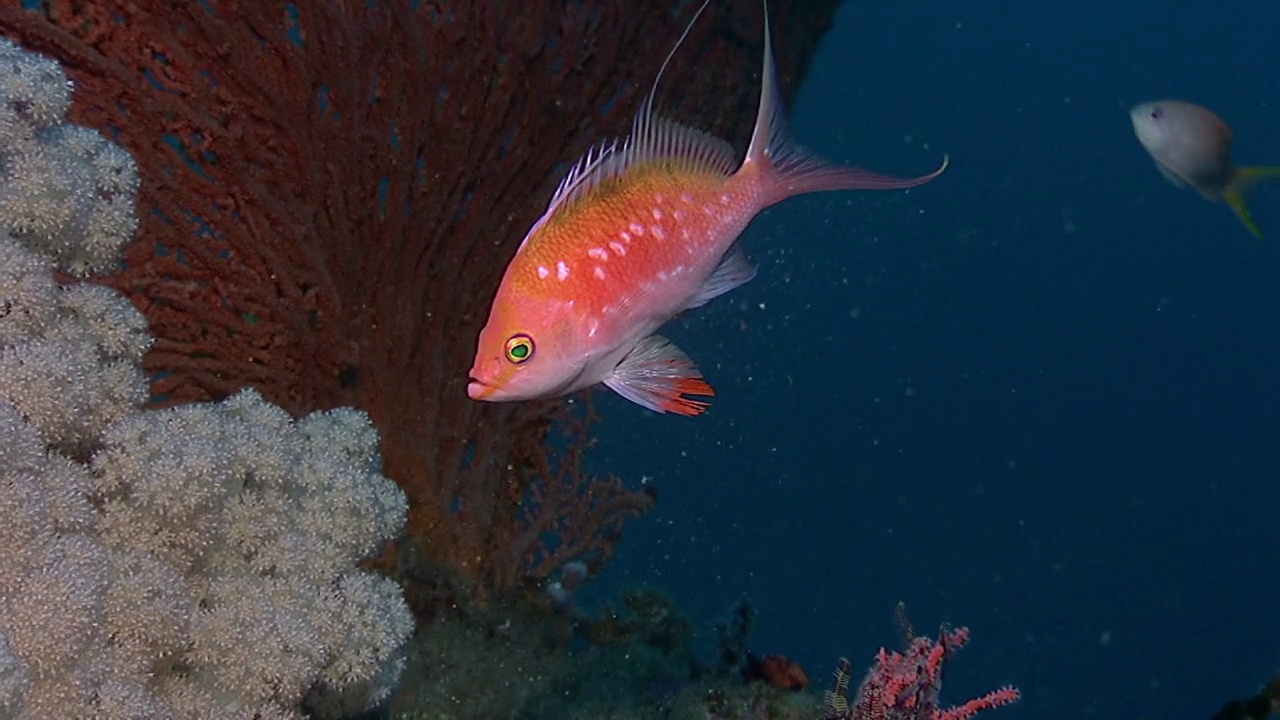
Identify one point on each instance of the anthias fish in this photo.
(1192, 148)
(637, 232)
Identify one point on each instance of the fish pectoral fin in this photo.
(1235, 199)
(733, 271)
(658, 375)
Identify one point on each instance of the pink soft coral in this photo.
(905, 685)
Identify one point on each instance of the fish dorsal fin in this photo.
(586, 167)
(653, 139)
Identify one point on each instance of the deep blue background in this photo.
(1037, 397)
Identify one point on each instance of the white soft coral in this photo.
(69, 356)
(64, 190)
(196, 562)
(267, 520)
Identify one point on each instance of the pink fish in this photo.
(639, 231)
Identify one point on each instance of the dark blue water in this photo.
(1038, 396)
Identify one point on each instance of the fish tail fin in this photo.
(787, 169)
(1245, 178)
(1248, 176)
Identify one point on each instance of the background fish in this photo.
(1192, 147)
(639, 231)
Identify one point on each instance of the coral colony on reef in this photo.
(191, 530)
(195, 562)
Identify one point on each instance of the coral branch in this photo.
(565, 514)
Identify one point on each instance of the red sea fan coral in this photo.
(330, 191)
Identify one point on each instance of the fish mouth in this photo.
(479, 390)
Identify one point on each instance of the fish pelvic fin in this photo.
(658, 375)
(787, 169)
(1243, 181)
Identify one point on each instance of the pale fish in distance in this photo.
(639, 231)
(1191, 146)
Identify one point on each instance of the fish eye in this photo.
(519, 348)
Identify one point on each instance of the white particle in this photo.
(618, 248)
(562, 271)
(637, 228)
(626, 236)
(657, 214)
(598, 272)
(657, 232)
(543, 272)
(598, 254)
(686, 197)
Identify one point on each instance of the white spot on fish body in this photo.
(598, 254)
(657, 214)
(686, 197)
(598, 272)
(618, 248)
(637, 228)
(659, 197)
(679, 216)
(626, 236)
(726, 198)
(657, 232)
(562, 271)
(543, 272)
(593, 326)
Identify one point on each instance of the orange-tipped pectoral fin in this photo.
(658, 375)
